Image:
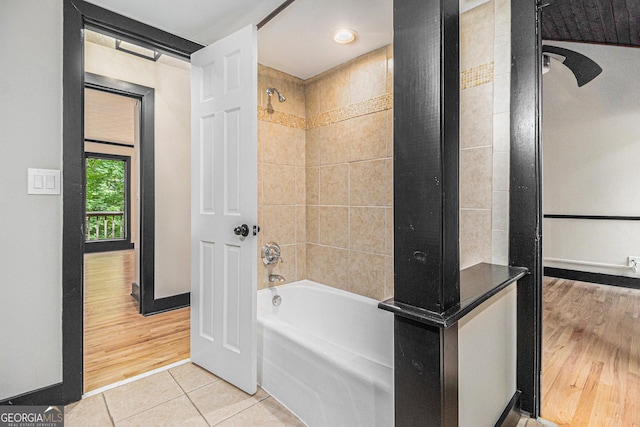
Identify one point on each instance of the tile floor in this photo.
(184, 396)
(187, 396)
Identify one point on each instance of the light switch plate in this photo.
(43, 181)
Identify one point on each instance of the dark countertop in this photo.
(477, 284)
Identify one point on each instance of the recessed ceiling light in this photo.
(344, 36)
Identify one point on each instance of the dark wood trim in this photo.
(107, 246)
(161, 305)
(525, 213)
(121, 27)
(599, 278)
(117, 144)
(477, 284)
(146, 175)
(275, 13)
(77, 14)
(595, 217)
(426, 216)
(116, 244)
(50, 395)
(511, 415)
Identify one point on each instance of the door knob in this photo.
(242, 231)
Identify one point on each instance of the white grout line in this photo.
(132, 379)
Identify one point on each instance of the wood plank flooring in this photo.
(591, 354)
(119, 343)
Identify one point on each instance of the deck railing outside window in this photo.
(105, 226)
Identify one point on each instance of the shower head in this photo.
(270, 91)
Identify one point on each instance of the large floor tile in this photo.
(140, 395)
(268, 413)
(178, 412)
(191, 377)
(221, 400)
(91, 411)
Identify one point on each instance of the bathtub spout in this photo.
(273, 278)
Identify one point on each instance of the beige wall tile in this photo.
(287, 268)
(502, 94)
(260, 184)
(502, 54)
(279, 224)
(500, 247)
(301, 261)
(300, 191)
(300, 138)
(389, 230)
(475, 237)
(334, 185)
(312, 181)
(389, 286)
(312, 98)
(367, 183)
(334, 143)
(501, 132)
(368, 137)
(389, 182)
(476, 167)
(368, 76)
(367, 229)
(389, 133)
(476, 36)
(312, 224)
(390, 68)
(501, 171)
(312, 147)
(503, 17)
(500, 210)
(279, 144)
(328, 265)
(476, 116)
(278, 181)
(291, 87)
(301, 224)
(367, 274)
(333, 226)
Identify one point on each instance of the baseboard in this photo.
(600, 278)
(50, 395)
(511, 414)
(161, 305)
(135, 291)
(107, 246)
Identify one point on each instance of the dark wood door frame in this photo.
(525, 204)
(78, 15)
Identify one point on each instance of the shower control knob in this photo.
(242, 231)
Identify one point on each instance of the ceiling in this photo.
(615, 22)
(297, 41)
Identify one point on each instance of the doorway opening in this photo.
(125, 264)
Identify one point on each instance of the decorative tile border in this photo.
(369, 106)
(476, 76)
(284, 119)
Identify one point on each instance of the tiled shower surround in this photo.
(326, 162)
(326, 174)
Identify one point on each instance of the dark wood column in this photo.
(427, 267)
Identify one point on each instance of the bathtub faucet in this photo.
(276, 278)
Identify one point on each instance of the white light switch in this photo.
(43, 181)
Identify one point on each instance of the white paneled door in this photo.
(224, 150)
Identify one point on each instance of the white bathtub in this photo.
(327, 355)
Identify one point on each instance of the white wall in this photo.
(591, 148)
(487, 343)
(172, 158)
(31, 231)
